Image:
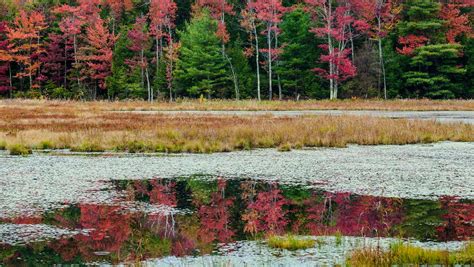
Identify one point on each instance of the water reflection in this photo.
(223, 211)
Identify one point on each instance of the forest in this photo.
(236, 49)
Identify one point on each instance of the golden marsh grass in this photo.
(92, 127)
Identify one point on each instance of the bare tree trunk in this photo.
(65, 65)
(11, 81)
(270, 76)
(382, 64)
(280, 95)
(234, 75)
(75, 58)
(148, 83)
(257, 59)
(142, 74)
(331, 52)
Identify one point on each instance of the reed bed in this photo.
(250, 105)
(86, 128)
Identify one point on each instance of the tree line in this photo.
(263, 49)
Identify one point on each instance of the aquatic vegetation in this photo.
(3, 145)
(19, 150)
(406, 254)
(46, 144)
(290, 242)
(87, 146)
(284, 147)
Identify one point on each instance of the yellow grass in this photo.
(92, 127)
(407, 255)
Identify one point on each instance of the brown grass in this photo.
(91, 127)
(352, 104)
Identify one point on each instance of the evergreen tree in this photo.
(300, 51)
(433, 66)
(200, 69)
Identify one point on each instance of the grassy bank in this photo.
(407, 255)
(85, 128)
(408, 105)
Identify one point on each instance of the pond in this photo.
(170, 221)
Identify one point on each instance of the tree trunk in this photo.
(269, 43)
(11, 82)
(331, 52)
(257, 59)
(280, 95)
(382, 64)
(148, 83)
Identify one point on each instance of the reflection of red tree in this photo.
(182, 246)
(266, 213)
(25, 220)
(66, 247)
(352, 215)
(110, 228)
(163, 193)
(215, 217)
(458, 221)
(367, 215)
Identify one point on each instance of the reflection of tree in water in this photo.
(228, 210)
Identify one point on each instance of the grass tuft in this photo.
(88, 147)
(45, 145)
(19, 150)
(290, 242)
(284, 147)
(3, 145)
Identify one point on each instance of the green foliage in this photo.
(201, 68)
(438, 72)
(300, 55)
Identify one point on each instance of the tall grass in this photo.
(408, 255)
(86, 128)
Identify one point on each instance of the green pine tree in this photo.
(299, 56)
(200, 69)
(433, 69)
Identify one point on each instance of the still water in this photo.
(204, 216)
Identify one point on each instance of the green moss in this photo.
(290, 242)
(19, 150)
